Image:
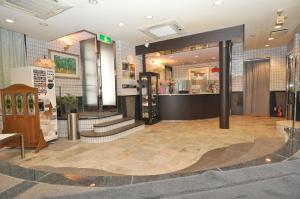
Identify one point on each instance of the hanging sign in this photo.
(104, 39)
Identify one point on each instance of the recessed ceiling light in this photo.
(267, 45)
(219, 2)
(277, 26)
(9, 20)
(268, 160)
(149, 17)
(93, 2)
(196, 56)
(121, 24)
(271, 38)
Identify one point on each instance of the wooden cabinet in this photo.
(21, 115)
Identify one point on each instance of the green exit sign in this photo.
(104, 39)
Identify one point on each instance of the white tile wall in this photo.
(277, 71)
(37, 48)
(124, 51)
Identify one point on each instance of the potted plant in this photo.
(69, 102)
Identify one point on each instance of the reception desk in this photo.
(188, 106)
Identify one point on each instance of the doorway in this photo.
(257, 87)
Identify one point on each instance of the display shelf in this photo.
(149, 99)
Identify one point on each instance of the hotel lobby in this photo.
(99, 100)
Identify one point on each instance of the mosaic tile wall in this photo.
(125, 52)
(277, 71)
(37, 48)
(181, 72)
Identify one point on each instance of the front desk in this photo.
(188, 106)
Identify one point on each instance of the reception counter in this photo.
(188, 106)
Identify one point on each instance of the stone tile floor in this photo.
(167, 147)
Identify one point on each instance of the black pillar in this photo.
(225, 56)
(144, 62)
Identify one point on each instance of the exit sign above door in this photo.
(104, 39)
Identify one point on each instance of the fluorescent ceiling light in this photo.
(267, 45)
(121, 24)
(219, 2)
(271, 38)
(162, 31)
(9, 20)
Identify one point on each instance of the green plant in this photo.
(69, 101)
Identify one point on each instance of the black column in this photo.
(144, 62)
(225, 56)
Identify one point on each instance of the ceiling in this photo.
(194, 16)
(77, 36)
(186, 58)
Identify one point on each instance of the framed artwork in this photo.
(66, 65)
(128, 71)
(199, 73)
(128, 75)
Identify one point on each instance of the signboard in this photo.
(104, 39)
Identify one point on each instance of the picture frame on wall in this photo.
(66, 64)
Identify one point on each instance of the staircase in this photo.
(111, 129)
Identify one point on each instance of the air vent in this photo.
(42, 9)
(277, 33)
(162, 30)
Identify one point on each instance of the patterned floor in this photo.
(162, 148)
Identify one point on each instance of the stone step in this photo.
(94, 137)
(111, 125)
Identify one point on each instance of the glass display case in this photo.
(149, 97)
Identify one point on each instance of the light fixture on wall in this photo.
(44, 63)
(66, 47)
(67, 42)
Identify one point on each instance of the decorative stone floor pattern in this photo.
(162, 148)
